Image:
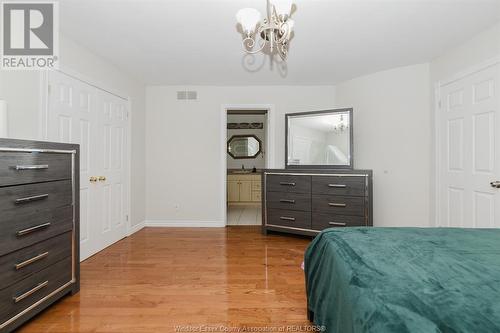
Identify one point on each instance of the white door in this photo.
(95, 119)
(469, 152)
(111, 128)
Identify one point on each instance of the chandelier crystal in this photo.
(273, 32)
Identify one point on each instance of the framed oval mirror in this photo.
(244, 146)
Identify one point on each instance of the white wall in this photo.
(482, 47)
(391, 130)
(184, 171)
(22, 91)
(392, 137)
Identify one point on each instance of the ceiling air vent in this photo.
(187, 95)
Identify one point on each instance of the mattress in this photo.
(405, 280)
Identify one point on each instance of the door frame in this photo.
(437, 132)
(270, 143)
(44, 116)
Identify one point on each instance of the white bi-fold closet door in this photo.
(97, 120)
(469, 150)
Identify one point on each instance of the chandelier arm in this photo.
(285, 32)
(275, 13)
(273, 32)
(282, 51)
(249, 43)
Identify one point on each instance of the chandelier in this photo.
(274, 32)
(341, 127)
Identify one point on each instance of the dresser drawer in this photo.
(333, 185)
(21, 230)
(23, 294)
(35, 197)
(288, 183)
(17, 265)
(338, 205)
(289, 201)
(22, 168)
(321, 221)
(289, 218)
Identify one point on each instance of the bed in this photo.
(404, 280)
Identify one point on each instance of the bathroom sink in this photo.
(241, 171)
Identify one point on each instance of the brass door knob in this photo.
(102, 178)
(93, 179)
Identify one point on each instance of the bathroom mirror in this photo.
(244, 146)
(319, 140)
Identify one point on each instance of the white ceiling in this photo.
(195, 42)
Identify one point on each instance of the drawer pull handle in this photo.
(287, 201)
(333, 204)
(286, 218)
(31, 292)
(31, 167)
(337, 185)
(338, 223)
(31, 261)
(287, 184)
(31, 199)
(32, 229)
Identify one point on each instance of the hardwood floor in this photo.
(159, 278)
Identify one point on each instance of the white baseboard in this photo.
(184, 224)
(136, 228)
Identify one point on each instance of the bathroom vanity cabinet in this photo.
(244, 188)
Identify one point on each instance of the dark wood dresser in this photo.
(39, 227)
(308, 201)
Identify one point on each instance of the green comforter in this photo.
(405, 280)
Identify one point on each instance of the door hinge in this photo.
(439, 104)
(49, 89)
(126, 218)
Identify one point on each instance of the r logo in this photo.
(28, 29)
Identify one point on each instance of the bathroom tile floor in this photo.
(244, 215)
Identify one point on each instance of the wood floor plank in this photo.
(159, 279)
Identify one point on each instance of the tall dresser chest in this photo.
(309, 201)
(39, 227)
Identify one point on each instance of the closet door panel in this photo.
(97, 120)
(71, 118)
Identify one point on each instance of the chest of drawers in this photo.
(39, 227)
(308, 201)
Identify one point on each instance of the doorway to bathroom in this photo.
(246, 158)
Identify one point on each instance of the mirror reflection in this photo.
(320, 139)
(244, 146)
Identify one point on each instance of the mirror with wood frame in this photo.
(244, 146)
